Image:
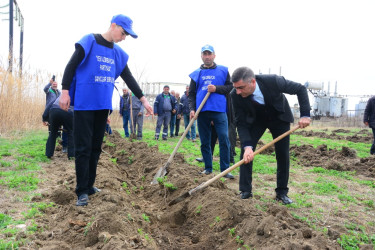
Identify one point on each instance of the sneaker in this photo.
(139, 138)
(194, 140)
(229, 176)
(206, 172)
(82, 200)
(199, 159)
(156, 138)
(164, 138)
(94, 190)
(65, 150)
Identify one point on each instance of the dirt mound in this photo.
(362, 136)
(341, 160)
(132, 213)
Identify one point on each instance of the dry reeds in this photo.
(22, 101)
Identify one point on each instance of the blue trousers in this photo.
(163, 119)
(193, 133)
(220, 121)
(126, 121)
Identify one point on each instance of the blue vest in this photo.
(94, 79)
(203, 78)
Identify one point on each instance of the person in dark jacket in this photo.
(137, 110)
(184, 110)
(56, 118)
(52, 92)
(164, 106)
(369, 120)
(125, 111)
(259, 103)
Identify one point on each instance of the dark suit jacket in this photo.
(369, 115)
(272, 88)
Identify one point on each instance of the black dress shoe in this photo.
(246, 195)
(284, 199)
(199, 159)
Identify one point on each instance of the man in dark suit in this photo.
(259, 103)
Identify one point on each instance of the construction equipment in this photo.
(163, 170)
(205, 184)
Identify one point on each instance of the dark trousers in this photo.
(232, 141)
(256, 131)
(372, 151)
(58, 118)
(177, 126)
(89, 127)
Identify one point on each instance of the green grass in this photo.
(20, 167)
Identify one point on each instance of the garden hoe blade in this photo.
(163, 170)
(205, 184)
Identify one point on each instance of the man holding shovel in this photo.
(259, 103)
(213, 78)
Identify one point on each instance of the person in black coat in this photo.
(259, 103)
(369, 119)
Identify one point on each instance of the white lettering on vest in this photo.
(105, 67)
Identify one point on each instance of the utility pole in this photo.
(10, 56)
(18, 17)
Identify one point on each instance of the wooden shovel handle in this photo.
(188, 127)
(205, 184)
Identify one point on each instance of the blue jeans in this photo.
(126, 121)
(163, 119)
(172, 124)
(220, 121)
(193, 134)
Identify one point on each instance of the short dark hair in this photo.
(242, 73)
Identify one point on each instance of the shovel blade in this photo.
(161, 173)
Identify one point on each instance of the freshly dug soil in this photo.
(131, 213)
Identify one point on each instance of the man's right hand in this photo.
(248, 155)
(192, 114)
(64, 101)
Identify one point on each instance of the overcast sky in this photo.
(319, 40)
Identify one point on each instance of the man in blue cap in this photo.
(87, 84)
(213, 78)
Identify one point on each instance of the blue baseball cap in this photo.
(208, 47)
(125, 22)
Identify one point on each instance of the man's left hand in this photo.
(304, 122)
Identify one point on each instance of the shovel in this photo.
(205, 184)
(132, 134)
(163, 170)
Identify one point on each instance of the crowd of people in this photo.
(243, 103)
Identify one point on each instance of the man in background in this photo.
(184, 111)
(178, 115)
(137, 110)
(125, 111)
(164, 106)
(172, 123)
